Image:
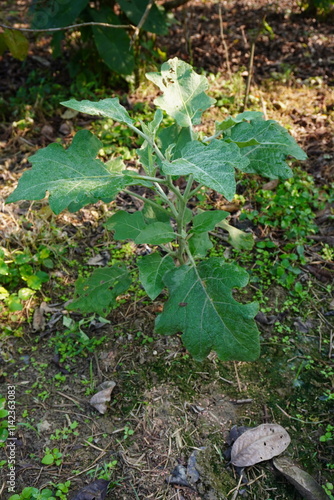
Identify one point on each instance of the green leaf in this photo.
(57, 14)
(17, 43)
(14, 303)
(3, 45)
(126, 226)
(199, 245)
(3, 293)
(26, 293)
(173, 139)
(155, 21)
(237, 238)
(151, 271)
(48, 459)
(155, 214)
(156, 233)
(110, 108)
(146, 153)
(206, 221)
(245, 116)
(73, 177)
(35, 281)
(201, 306)
(98, 293)
(266, 145)
(184, 97)
(213, 165)
(113, 44)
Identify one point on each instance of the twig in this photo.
(68, 397)
(330, 344)
(52, 30)
(237, 376)
(236, 489)
(298, 419)
(142, 21)
(251, 63)
(229, 72)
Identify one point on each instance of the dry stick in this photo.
(51, 30)
(142, 21)
(298, 419)
(237, 377)
(251, 64)
(229, 72)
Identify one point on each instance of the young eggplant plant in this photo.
(201, 304)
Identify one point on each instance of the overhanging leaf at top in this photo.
(57, 14)
(213, 165)
(73, 177)
(110, 108)
(266, 144)
(202, 307)
(184, 97)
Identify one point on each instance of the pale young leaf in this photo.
(110, 108)
(184, 97)
(213, 165)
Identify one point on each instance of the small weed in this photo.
(29, 493)
(74, 341)
(127, 432)
(66, 432)
(19, 268)
(329, 434)
(53, 456)
(3, 421)
(103, 471)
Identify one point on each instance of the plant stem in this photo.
(149, 140)
(146, 200)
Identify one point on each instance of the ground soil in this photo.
(173, 404)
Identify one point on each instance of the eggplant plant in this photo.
(201, 305)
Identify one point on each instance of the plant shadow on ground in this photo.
(164, 404)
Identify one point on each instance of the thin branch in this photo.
(142, 21)
(229, 72)
(72, 26)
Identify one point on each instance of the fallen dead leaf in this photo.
(100, 399)
(258, 444)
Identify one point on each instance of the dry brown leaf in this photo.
(301, 480)
(258, 444)
(100, 399)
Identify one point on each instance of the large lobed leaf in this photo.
(98, 293)
(266, 145)
(73, 177)
(213, 165)
(202, 307)
(184, 97)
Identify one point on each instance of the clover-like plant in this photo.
(201, 303)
